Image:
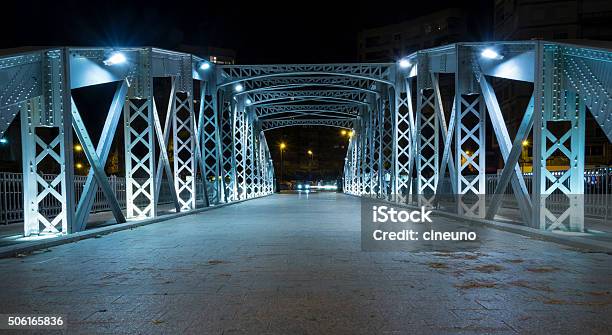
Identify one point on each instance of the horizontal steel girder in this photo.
(267, 82)
(228, 74)
(350, 109)
(269, 96)
(339, 123)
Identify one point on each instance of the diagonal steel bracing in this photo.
(102, 151)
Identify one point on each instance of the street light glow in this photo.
(78, 165)
(78, 148)
(343, 132)
(205, 65)
(404, 63)
(249, 102)
(238, 88)
(490, 54)
(115, 58)
(3, 140)
(525, 143)
(283, 145)
(310, 152)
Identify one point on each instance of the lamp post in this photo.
(310, 164)
(282, 149)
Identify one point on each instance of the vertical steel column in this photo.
(403, 135)
(345, 170)
(366, 156)
(269, 166)
(46, 136)
(209, 129)
(375, 148)
(427, 128)
(388, 144)
(566, 111)
(469, 137)
(227, 149)
(239, 139)
(138, 127)
(357, 134)
(249, 157)
(183, 143)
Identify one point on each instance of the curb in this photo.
(27, 247)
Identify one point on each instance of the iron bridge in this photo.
(403, 146)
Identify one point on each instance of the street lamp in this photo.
(310, 154)
(204, 65)
(282, 150)
(404, 63)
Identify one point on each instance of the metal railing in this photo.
(597, 192)
(11, 196)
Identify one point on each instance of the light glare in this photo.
(238, 87)
(115, 58)
(490, 54)
(404, 63)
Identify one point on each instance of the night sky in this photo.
(259, 32)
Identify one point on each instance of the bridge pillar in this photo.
(139, 152)
(559, 128)
(227, 149)
(210, 141)
(250, 176)
(46, 136)
(387, 144)
(356, 158)
(427, 129)
(470, 118)
(372, 153)
(239, 139)
(183, 143)
(138, 128)
(404, 129)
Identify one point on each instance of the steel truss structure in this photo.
(413, 139)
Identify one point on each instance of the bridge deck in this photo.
(292, 264)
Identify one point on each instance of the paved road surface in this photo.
(290, 264)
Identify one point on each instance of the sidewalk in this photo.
(12, 234)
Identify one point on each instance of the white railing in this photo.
(11, 196)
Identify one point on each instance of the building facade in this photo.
(391, 42)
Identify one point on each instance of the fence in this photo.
(597, 189)
(11, 196)
(597, 192)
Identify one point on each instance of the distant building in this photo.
(391, 42)
(553, 20)
(213, 54)
(577, 21)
